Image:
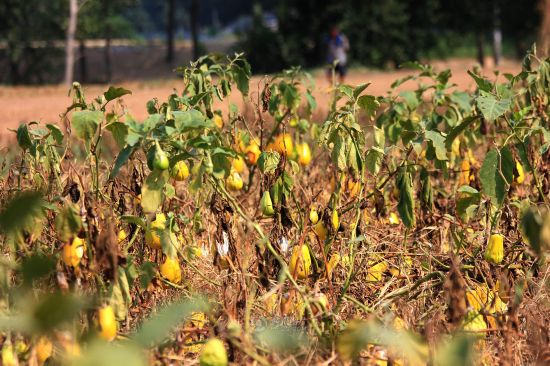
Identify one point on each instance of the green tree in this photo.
(29, 29)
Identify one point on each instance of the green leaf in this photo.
(373, 160)
(56, 309)
(410, 99)
(268, 161)
(369, 104)
(109, 354)
(119, 131)
(190, 120)
(20, 212)
(85, 124)
(532, 224)
(169, 242)
(113, 93)
(338, 154)
(56, 133)
(347, 90)
(152, 191)
(438, 142)
(36, 266)
(24, 138)
(68, 222)
(457, 130)
(242, 77)
(405, 207)
(491, 107)
(121, 159)
(281, 339)
(158, 327)
(482, 83)
(134, 220)
(468, 200)
(496, 174)
(458, 351)
(359, 89)
(221, 166)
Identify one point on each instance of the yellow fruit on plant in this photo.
(353, 187)
(332, 263)
(152, 238)
(300, 262)
(474, 322)
(107, 323)
(252, 152)
(455, 147)
(171, 270)
(267, 205)
(234, 181)
(464, 175)
(73, 253)
(213, 353)
(122, 235)
(218, 120)
(304, 154)
(320, 230)
(521, 174)
(238, 164)
(44, 349)
(393, 219)
(283, 144)
(335, 221)
(180, 171)
(9, 358)
(494, 253)
(313, 215)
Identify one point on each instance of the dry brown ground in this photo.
(45, 103)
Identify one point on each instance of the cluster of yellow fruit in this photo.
(284, 145)
(73, 252)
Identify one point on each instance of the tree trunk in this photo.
(480, 50)
(195, 28)
(171, 15)
(107, 58)
(497, 34)
(69, 45)
(544, 30)
(82, 61)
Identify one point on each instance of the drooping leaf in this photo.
(468, 200)
(68, 222)
(152, 192)
(268, 161)
(24, 138)
(119, 131)
(112, 93)
(20, 212)
(496, 174)
(438, 142)
(85, 124)
(369, 104)
(405, 207)
(457, 130)
(121, 159)
(157, 327)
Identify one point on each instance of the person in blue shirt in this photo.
(338, 46)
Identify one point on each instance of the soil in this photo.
(45, 103)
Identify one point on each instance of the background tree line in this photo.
(382, 33)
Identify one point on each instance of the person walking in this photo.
(338, 46)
